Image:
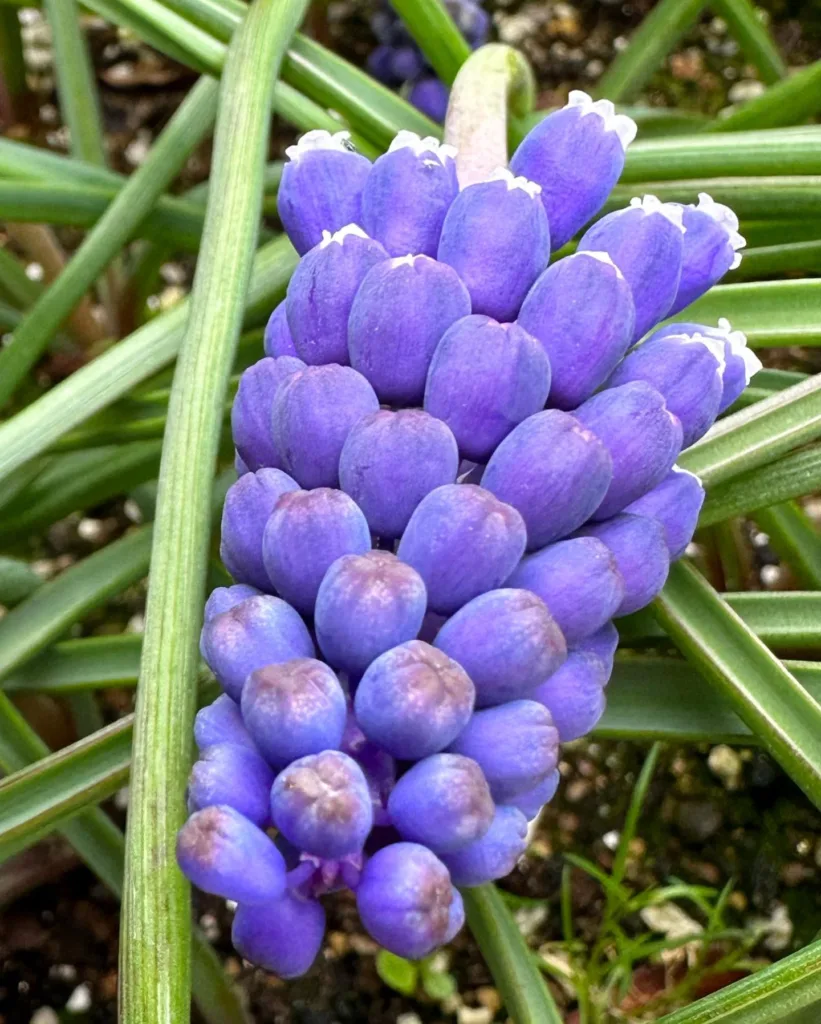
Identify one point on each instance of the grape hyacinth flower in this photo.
(456, 469)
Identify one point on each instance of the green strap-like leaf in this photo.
(782, 198)
(72, 666)
(755, 41)
(791, 101)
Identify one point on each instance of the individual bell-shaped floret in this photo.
(294, 709)
(407, 194)
(711, 244)
(515, 745)
(321, 187)
(400, 312)
(223, 599)
(462, 541)
(687, 371)
(443, 802)
(645, 243)
(484, 379)
(277, 340)
(506, 641)
(638, 546)
(366, 605)
(321, 292)
(221, 722)
(494, 855)
(322, 805)
(578, 581)
(603, 643)
(675, 503)
(531, 802)
(391, 460)
(223, 853)
(239, 466)
(251, 411)
(283, 936)
(306, 533)
(414, 700)
(248, 505)
(235, 776)
(574, 695)
(581, 310)
(430, 95)
(576, 154)
(259, 631)
(406, 900)
(641, 435)
(496, 237)
(313, 414)
(554, 471)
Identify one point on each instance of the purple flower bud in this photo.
(234, 776)
(321, 187)
(577, 580)
(406, 900)
(313, 414)
(442, 802)
(642, 436)
(506, 641)
(221, 722)
(306, 533)
(223, 599)
(251, 411)
(711, 244)
(531, 802)
(223, 853)
(284, 936)
(675, 503)
(407, 63)
(686, 370)
(496, 237)
(391, 460)
(645, 243)
(408, 193)
(574, 695)
(603, 644)
(294, 709)
(322, 804)
(413, 700)
(366, 605)
(484, 379)
(259, 631)
(430, 95)
(494, 855)
(462, 541)
(581, 310)
(321, 292)
(577, 155)
(514, 744)
(400, 312)
(277, 340)
(554, 471)
(637, 544)
(239, 466)
(380, 64)
(248, 505)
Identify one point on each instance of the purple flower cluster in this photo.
(456, 468)
(398, 61)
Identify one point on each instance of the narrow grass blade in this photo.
(795, 539)
(156, 924)
(767, 261)
(771, 313)
(436, 34)
(791, 101)
(727, 653)
(767, 383)
(755, 41)
(72, 666)
(764, 198)
(525, 994)
(17, 581)
(15, 285)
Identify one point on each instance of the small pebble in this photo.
(80, 1000)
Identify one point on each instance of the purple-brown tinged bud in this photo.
(235, 776)
(494, 855)
(283, 936)
(574, 695)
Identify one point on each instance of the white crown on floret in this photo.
(409, 260)
(686, 472)
(417, 145)
(602, 257)
(328, 238)
(724, 216)
(512, 181)
(737, 340)
(652, 204)
(621, 124)
(318, 138)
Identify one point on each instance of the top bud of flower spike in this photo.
(645, 241)
(576, 154)
(321, 187)
(407, 194)
(711, 244)
(496, 237)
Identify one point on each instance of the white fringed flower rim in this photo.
(652, 204)
(624, 126)
(686, 472)
(737, 341)
(349, 231)
(407, 261)
(418, 146)
(602, 257)
(512, 182)
(318, 138)
(724, 216)
(715, 346)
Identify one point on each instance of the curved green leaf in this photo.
(755, 41)
(770, 313)
(789, 197)
(791, 101)
(77, 665)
